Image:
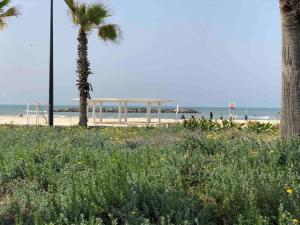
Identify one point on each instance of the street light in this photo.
(50, 109)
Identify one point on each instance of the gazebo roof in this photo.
(135, 100)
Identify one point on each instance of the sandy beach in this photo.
(73, 121)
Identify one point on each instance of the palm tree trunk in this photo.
(290, 104)
(83, 72)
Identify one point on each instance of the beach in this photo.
(73, 121)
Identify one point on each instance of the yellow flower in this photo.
(289, 190)
(295, 221)
(211, 136)
(162, 159)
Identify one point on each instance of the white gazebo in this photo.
(123, 104)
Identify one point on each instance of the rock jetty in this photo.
(130, 110)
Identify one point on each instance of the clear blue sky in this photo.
(197, 52)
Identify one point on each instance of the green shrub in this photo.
(93, 176)
(210, 125)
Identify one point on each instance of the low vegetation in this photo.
(210, 125)
(148, 176)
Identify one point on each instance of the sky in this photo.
(195, 52)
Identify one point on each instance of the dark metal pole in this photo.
(50, 117)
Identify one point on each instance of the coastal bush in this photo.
(122, 176)
(259, 127)
(211, 125)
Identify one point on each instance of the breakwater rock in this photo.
(130, 110)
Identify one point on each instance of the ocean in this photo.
(239, 113)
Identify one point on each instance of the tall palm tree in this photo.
(290, 103)
(89, 17)
(5, 12)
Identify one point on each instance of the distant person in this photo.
(246, 117)
(193, 117)
(221, 118)
(20, 115)
(183, 117)
(211, 116)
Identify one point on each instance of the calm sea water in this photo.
(253, 113)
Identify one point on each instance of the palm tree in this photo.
(5, 12)
(290, 105)
(89, 17)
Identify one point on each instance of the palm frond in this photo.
(90, 16)
(72, 10)
(2, 24)
(79, 14)
(109, 33)
(4, 12)
(81, 10)
(96, 13)
(4, 3)
(71, 4)
(13, 11)
(83, 20)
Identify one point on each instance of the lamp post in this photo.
(50, 110)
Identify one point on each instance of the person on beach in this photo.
(211, 116)
(183, 117)
(246, 117)
(221, 118)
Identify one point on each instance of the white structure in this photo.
(123, 104)
(231, 108)
(37, 112)
(177, 111)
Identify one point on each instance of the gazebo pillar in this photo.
(148, 113)
(94, 112)
(100, 111)
(37, 113)
(125, 111)
(159, 113)
(120, 112)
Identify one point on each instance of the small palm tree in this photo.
(89, 17)
(5, 12)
